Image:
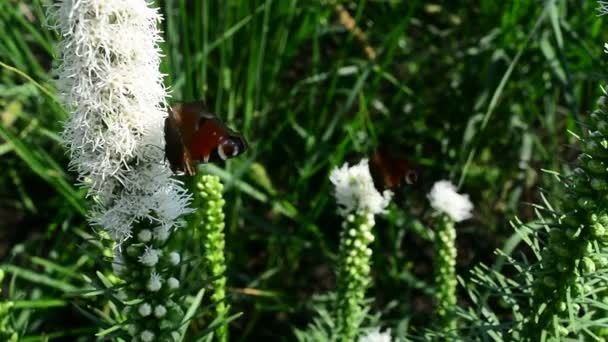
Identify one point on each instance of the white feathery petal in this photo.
(603, 7)
(355, 190)
(376, 336)
(445, 199)
(109, 79)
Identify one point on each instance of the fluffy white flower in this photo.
(145, 235)
(355, 190)
(109, 80)
(376, 336)
(150, 256)
(132, 329)
(444, 198)
(160, 311)
(155, 282)
(173, 283)
(147, 336)
(144, 309)
(174, 258)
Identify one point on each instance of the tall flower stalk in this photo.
(109, 80)
(358, 202)
(574, 255)
(212, 229)
(450, 208)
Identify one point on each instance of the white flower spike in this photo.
(355, 190)
(376, 336)
(109, 80)
(445, 199)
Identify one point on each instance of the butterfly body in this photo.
(193, 134)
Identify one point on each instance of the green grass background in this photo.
(479, 92)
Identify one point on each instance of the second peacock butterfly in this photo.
(390, 171)
(193, 135)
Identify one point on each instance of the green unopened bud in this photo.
(585, 203)
(560, 250)
(599, 184)
(588, 265)
(603, 219)
(574, 233)
(593, 147)
(549, 281)
(602, 126)
(562, 306)
(562, 267)
(600, 261)
(595, 166)
(598, 230)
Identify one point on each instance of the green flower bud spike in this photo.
(451, 207)
(212, 232)
(358, 202)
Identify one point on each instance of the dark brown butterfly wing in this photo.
(174, 145)
(193, 134)
(390, 172)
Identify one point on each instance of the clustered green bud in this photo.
(212, 232)
(353, 276)
(445, 272)
(149, 287)
(573, 249)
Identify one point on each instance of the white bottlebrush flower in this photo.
(173, 283)
(150, 256)
(174, 258)
(355, 190)
(155, 282)
(144, 309)
(376, 336)
(145, 235)
(109, 80)
(445, 199)
(160, 311)
(147, 336)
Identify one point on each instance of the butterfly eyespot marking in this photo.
(411, 177)
(228, 148)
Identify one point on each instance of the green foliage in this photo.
(490, 85)
(7, 333)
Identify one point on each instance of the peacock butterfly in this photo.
(193, 134)
(390, 171)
